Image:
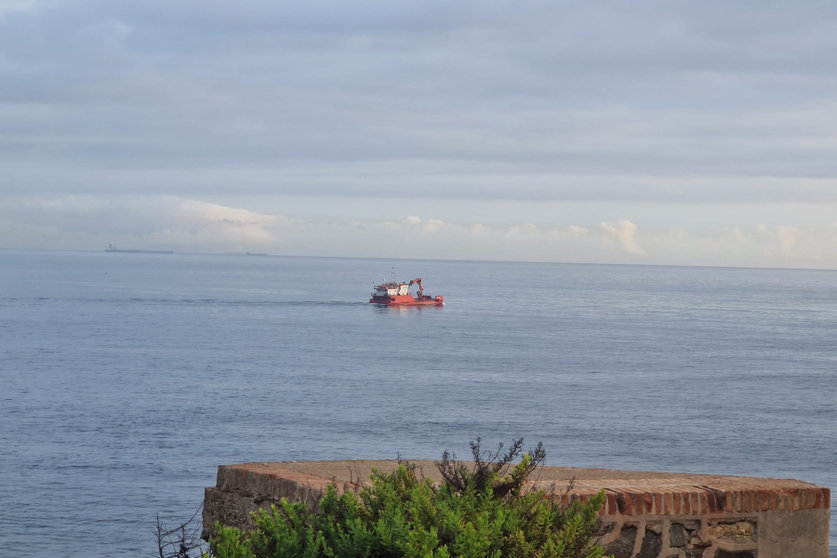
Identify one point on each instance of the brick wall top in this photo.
(627, 493)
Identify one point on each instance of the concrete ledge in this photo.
(645, 515)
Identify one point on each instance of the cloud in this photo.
(515, 130)
(472, 101)
(427, 225)
(8, 7)
(187, 225)
(624, 232)
(578, 231)
(788, 238)
(88, 222)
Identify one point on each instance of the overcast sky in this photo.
(697, 133)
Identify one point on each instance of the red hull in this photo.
(407, 300)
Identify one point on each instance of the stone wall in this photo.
(645, 515)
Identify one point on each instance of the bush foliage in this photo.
(477, 511)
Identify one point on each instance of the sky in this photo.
(669, 132)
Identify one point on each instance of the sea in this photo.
(127, 378)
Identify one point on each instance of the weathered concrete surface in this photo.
(793, 533)
(645, 515)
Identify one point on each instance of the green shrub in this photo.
(476, 512)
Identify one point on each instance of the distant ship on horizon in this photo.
(112, 248)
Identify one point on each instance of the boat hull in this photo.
(407, 300)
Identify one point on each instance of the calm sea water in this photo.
(128, 378)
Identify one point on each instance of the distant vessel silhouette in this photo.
(112, 248)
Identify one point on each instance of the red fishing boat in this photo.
(397, 293)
